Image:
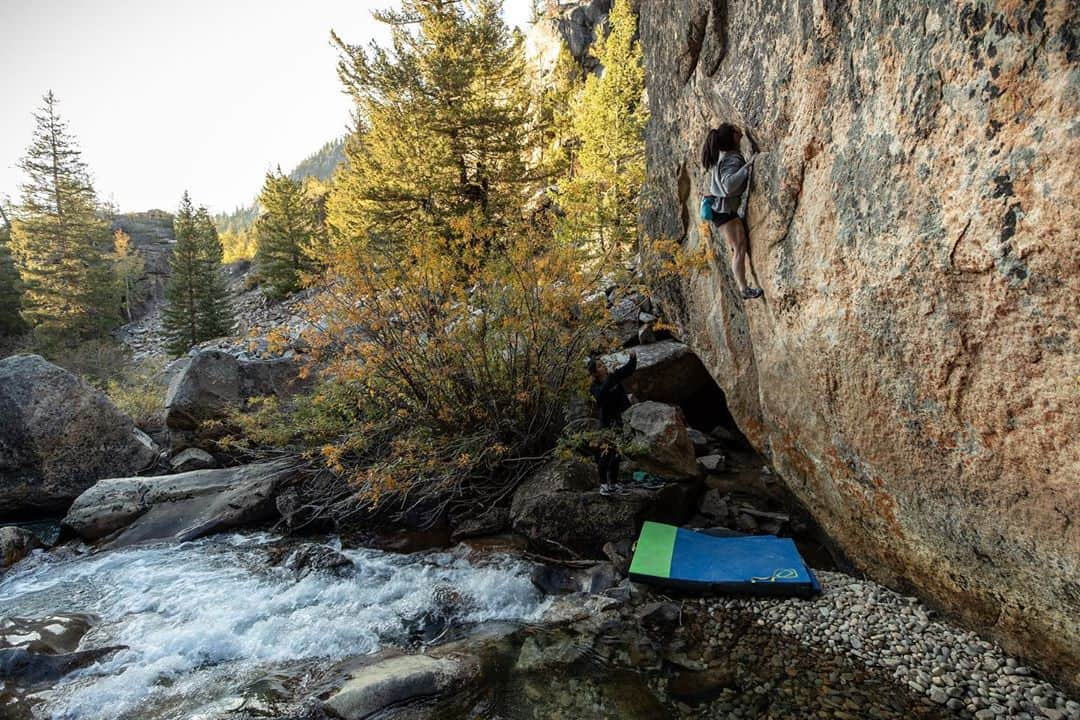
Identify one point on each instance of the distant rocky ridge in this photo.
(572, 25)
(151, 234)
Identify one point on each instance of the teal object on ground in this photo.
(684, 559)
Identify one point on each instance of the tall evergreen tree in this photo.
(215, 311)
(11, 322)
(286, 231)
(608, 119)
(196, 297)
(59, 238)
(442, 116)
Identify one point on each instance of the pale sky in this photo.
(163, 96)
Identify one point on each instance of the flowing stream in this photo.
(204, 622)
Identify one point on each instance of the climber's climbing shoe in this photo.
(752, 293)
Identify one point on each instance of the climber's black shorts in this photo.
(724, 218)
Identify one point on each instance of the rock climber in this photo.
(729, 173)
(612, 400)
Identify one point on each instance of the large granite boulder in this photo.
(561, 508)
(211, 384)
(178, 507)
(667, 371)
(57, 437)
(911, 370)
(662, 445)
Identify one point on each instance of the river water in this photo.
(206, 619)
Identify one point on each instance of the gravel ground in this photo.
(888, 633)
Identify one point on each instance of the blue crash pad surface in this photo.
(759, 565)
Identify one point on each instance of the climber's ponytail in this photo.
(710, 151)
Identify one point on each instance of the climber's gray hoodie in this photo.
(727, 182)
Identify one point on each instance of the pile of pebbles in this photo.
(898, 636)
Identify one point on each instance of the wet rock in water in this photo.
(213, 383)
(913, 378)
(192, 459)
(662, 445)
(180, 507)
(15, 544)
(558, 580)
(398, 680)
(553, 511)
(432, 621)
(667, 371)
(26, 667)
(313, 557)
(58, 436)
(52, 635)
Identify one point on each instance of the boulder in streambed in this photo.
(52, 635)
(37, 652)
(58, 436)
(316, 558)
(28, 668)
(15, 544)
(661, 443)
(397, 680)
(180, 507)
(445, 682)
(560, 508)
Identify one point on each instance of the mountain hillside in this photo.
(320, 165)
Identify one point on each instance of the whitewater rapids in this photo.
(204, 619)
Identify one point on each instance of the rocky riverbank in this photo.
(360, 632)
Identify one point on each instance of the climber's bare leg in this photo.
(735, 235)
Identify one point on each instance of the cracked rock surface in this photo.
(912, 369)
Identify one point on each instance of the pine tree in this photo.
(609, 118)
(215, 311)
(11, 322)
(128, 266)
(180, 317)
(286, 231)
(59, 239)
(442, 122)
(196, 297)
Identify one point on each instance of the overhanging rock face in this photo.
(912, 370)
